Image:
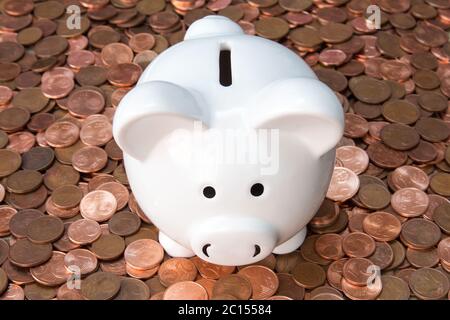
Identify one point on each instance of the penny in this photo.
(176, 270)
(329, 246)
(374, 196)
(108, 247)
(62, 134)
(116, 53)
(383, 256)
(84, 231)
(409, 177)
(441, 216)
(422, 258)
(66, 197)
(355, 126)
(306, 37)
(271, 28)
(326, 215)
(410, 202)
(394, 288)
(234, 285)
(116, 266)
(140, 274)
(25, 253)
(100, 286)
(11, 161)
(36, 291)
(386, 157)
(439, 183)
(309, 275)
(344, 184)
(64, 243)
(119, 191)
(432, 130)
(358, 245)
(13, 119)
(429, 284)
(37, 158)
(4, 251)
(382, 226)
(185, 289)
(144, 254)
(64, 293)
(353, 158)
(211, 271)
(24, 181)
(83, 259)
(53, 272)
(288, 287)
(60, 175)
(370, 90)
(85, 102)
(89, 159)
(29, 200)
(400, 111)
(96, 132)
(263, 280)
(133, 289)
(419, 233)
(362, 292)
(124, 223)
(45, 229)
(423, 152)
(399, 136)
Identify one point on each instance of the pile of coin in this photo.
(70, 227)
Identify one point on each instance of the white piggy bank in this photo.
(219, 87)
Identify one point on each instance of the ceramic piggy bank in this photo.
(216, 88)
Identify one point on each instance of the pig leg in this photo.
(292, 244)
(173, 248)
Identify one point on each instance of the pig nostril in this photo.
(205, 249)
(257, 250)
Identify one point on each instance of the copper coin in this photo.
(410, 202)
(62, 134)
(400, 111)
(13, 119)
(399, 136)
(382, 226)
(116, 53)
(108, 247)
(36, 291)
(235, 285)
(422, 258)
(11, 161)
(45, 229)
(38, 158)
(409, 177)
(432, 129)
(329, 246)
(211, 271)
(100, 286)
(439, 183)
(84, 231)
(374, 196)
(394, 288)
(383, 256)
(429, 284)
(25, 253)
(362, 292)
(83, 259)
(116, 266)
(185, 290)
(119, 191)
(96, 132)
(263, 280)
(89, 159)
(64, 293)
(124, 223)
(370, 90)
(441, 216)
(64, 243)
(355, 126)
(353, 158)
(419, 233)
(66, 197)
(19, 222)
(288, 287)
(344, 184)
(358, 245)
(176, 270)
(140, 274)
(309, 275)
(53, 272)
(144, 254)
(85, 102)
(386, 157)
(327, 214)
(29, 200)
(133, 289)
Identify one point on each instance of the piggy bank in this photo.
(217, 88)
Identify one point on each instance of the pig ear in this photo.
(304, 107)
(151, 111)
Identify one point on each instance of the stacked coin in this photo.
(70, 227)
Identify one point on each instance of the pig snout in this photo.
(247, 240)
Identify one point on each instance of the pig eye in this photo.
(209, 192)
(257, 189)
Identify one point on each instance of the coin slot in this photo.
(225, 77)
